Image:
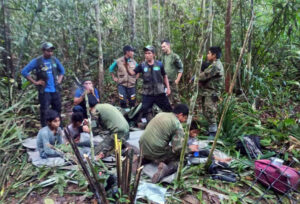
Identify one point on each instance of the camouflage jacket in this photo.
(172, 64)
(211, 80)
(163, 135)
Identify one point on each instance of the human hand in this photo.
(177, 81)
(85, 122)
(77, 139)
(40, 82)
(115, 79)
(85, 128)
(194, 148)
(168, 92)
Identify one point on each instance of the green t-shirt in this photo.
(172, 64)
(163, 129)
(110, 118)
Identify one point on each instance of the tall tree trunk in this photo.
(249, 59)
(228, 45)
(6, 53)
(211, 26)
(159, 22)
(25, 41)
(100, 53)
(131, 4)
(149, 21)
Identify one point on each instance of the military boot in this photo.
(212, 129)
(163, 171)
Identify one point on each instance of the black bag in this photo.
(249, 145)
(222, 171)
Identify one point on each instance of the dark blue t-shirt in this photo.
(79, 92)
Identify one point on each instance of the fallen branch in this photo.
(100, 187)
(211, 192)
(83, 166)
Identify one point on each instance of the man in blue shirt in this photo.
(79, 98)
(49, 74)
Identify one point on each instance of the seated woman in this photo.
(49, 136)
(79, 130)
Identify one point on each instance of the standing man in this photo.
(174, 70)
(155, 80)
(211, 82)
(49, 74)
(126, 82)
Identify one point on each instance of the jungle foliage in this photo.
(266, 101)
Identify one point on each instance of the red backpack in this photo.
(281, 178)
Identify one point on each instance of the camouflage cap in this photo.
(149, 48)
(47, 45)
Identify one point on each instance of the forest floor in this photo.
(28, 184)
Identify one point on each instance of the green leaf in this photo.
(48, 201)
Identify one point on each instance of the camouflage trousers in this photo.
(174, 96)
(167, 157)
(108, 142)
(210, 111)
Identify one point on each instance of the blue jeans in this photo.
(125, 94)
(46, 99)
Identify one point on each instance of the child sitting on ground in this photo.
(79, 130)
(50, 136)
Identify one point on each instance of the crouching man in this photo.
(162, 140)
(111, 119)
(49, 136)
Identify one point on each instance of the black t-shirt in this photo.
(141, 69)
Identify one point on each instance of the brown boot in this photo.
(164, 170)
(161, 172)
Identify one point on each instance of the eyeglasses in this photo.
(49, 50)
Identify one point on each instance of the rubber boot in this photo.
(212, 135)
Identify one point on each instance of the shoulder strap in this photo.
(40, 62)
(54, 69)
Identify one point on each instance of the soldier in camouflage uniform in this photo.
(211, 81)
(174, 69)
(162, 140)
(111, 119)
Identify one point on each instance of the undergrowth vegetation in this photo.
(266, 101)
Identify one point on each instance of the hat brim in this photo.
(147, 49)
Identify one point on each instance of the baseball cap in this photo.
(47, 45)
(128, 48)
(149, 48)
